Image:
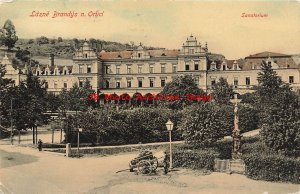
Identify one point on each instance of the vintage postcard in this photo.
(142, 97)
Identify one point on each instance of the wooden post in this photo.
(61, 135)
(36, 134)
(52, 135)
(33, 135)
(19, 140)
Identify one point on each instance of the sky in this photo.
(165, 23)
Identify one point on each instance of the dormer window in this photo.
(139, 55)
(38, 73)
(224, 67)
(235, 67)
(65, 72)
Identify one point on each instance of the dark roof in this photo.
(267, 54)
(128, 54)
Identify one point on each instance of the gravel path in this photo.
(47, 172)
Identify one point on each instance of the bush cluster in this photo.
(194, 158)
(143, 125)
(264, 164)
(272, 167)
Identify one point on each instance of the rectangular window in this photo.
(291, 79)
(89, 69)
(55, 85)
(151, 69)
(235, 82)
(128, 69)
(213, 82)
(151, 83)
(65, 85)
(118, 84)
(107, 69)
(80, 83)
(174, 68)
(140, 69)
(118, 70)
(196, 81)
(46, 85)
(128, 83)
(107, 84)
(163, 68)
(140, 83)
(196, 66)
(247, 81)
(80, 68)
(187, 66)
(191, 51)
(162, 82)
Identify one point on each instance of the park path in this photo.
(24, 170)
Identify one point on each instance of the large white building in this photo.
(147, 71)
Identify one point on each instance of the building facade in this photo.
(148, 71)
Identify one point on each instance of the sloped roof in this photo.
(267, 54)
(127, 54)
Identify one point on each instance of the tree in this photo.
(77, 98)
(181, 87)
(8, 35)
(30, 41)
(23, 55)
(248, 117)
(5, 87)
(280, 115)
(31, 104)
(222, 91)
(206, 123)
(53, 102)
(42, 40)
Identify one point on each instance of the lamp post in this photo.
(78, 130)
(11, 122)
(236, 136)
(169, 125)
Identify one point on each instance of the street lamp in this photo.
(78, 130)
(169, 125)
(11, 122)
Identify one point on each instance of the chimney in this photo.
(51, 60)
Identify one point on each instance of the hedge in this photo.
(194, 159)
(271, 167)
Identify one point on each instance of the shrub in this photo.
(194, 158)
(206, 123)
(248, 118)
(272, 167)
(224, 148)
(124, 127)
